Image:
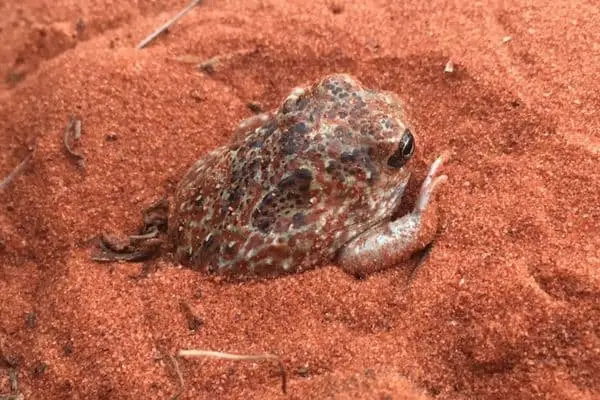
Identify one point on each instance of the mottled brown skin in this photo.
(297, 185)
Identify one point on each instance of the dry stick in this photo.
(14, 387)
(240, 357)
(151, 234)
(179, 377)
(4, 183)
(113, 256)
(73, 133)
(14, 383)
(167, 24)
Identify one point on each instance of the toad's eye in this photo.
(404, 152)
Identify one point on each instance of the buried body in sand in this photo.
(318, 180)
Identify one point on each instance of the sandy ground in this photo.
(505, 305)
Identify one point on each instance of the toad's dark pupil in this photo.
(405, 150)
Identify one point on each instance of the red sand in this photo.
(506, 305)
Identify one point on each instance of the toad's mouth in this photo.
(397, 194)
(384, 214)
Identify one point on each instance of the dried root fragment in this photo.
(179, 378)
(240, 357)
(168, 24)
(72, 134)
(15, 172)
(144, 245)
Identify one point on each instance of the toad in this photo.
(314, 182)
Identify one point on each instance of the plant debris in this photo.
(179, 377)
(72, 134)
(13, 374)
(144, 245)
(14, 386)
(18, 169)
(240, 357)
(167, 24)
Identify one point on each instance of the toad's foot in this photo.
(386, 244)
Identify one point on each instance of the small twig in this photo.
(12, 377)
(179, 377)
(168, 24)
(144, 245)
(108, 251)
(73, 133)
(13, 374)
(108, 257)
(18, 396)
(14, 386)
(152, 233)
(77, 129)
(4, 183)
(240, 357)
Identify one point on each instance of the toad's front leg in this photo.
(385, 245)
